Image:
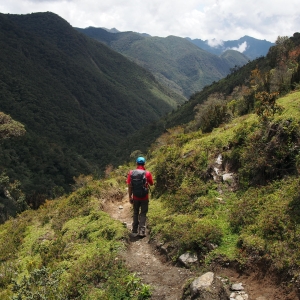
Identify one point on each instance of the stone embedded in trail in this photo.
(228, 177)
(208, 287)
(237, 287)
(188, 258)
(219, 159)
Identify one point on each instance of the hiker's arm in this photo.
(129, 191)
(128, 181)
(150, 179)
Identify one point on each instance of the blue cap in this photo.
(140, 160)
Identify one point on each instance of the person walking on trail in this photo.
(138, 182)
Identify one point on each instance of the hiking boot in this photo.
(134, 232)
(142, 232)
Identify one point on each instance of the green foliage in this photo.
(68, 248)
(246, 209)
(168, 178)
(41, 284)
(186, 232)
(271, 229)
(12, 234)
(265, 105)
(211, 114)
(9, 127)
(255, 221)
(7, 271)
(268, 153)
(12, 200)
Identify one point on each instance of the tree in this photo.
(9, 127)
(13, 199)
(266, 104)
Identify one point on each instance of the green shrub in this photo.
(107, 273)
(168, 171)
(246, 209)
(77, 204)
(52, 251)
(7, 271)
(12, 234)
(268, 220)
(268, 153)
(187, 232)
(40, 284)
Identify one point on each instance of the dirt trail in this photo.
(167, 280)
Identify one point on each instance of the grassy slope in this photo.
(70, 244)
(191, 213)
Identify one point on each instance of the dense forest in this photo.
(76, 98)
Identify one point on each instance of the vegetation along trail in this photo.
(167, 281)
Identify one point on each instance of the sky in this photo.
(212, 20)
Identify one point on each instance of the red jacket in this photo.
(149, 181)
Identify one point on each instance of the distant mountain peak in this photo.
(249, 46)
(112, 30)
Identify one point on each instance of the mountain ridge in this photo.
(174, 61)
(254, 48)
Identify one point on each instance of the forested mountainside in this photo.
(278, 71)
(77, 99)
(252, 48)
(174, 61)
(226, 194)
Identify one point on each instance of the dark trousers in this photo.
(140, 209)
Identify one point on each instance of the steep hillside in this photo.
(174, 61)
(270, 73)
(234, 57)
(232, 196)
(76, 97)
(187, 112)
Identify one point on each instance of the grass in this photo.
(261, 219)
(72, 246)
(291, 104)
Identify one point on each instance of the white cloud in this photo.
(215, 43)
(204, 19)
(241, 48)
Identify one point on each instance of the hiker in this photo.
(138, 181)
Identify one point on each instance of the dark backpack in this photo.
(139, 183)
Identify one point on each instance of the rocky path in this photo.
(167, 280)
